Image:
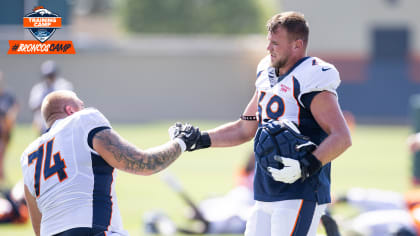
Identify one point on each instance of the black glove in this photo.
(309, 165)
(203, 141)
(192, 137)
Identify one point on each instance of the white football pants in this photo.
(284, 218)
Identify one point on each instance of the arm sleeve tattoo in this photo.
(135, 160)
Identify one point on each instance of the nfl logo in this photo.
(42, 23)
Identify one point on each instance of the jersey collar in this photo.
(291, 69)
(54, 125)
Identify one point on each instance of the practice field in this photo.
(378, 158)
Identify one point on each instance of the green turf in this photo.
(378, 158)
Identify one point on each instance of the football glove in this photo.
(283, 139)
(294, 169)
(193, 138)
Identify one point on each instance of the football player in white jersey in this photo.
(290, 85)
(69, 173)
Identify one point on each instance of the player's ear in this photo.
(297, 44)
(68, 109)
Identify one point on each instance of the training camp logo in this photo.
(42, 24)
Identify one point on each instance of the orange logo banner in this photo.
(36, 47)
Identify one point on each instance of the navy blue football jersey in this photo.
(288, 97)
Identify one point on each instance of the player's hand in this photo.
(289, 173)
(413, 142)
(295, 169)
(185, 134)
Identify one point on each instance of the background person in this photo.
(9, 109)
(50, 82)
(413, 142)
(13, 208)
(382, 212)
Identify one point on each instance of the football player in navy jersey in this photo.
(302, 89)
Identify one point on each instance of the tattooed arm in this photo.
(121, 154)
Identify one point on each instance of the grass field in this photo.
(378, 158)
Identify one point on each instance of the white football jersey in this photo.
(280, 97)
(73, 186)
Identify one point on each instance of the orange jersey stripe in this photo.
(297, 217)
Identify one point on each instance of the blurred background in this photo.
(148, 63)
(144, 48)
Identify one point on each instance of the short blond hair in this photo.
(54, 104)
(294, 23)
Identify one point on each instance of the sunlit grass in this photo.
(378, 158)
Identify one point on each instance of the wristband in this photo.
(204, 141)
(248, 117)
(181, 143)
(310, 165)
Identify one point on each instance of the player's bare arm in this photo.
(33, 211)
(123, 155)
(327, 113)
(237, 132)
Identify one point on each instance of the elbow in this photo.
(244, 139)
(247, 138)
(247, 134)
(145, 173)
(346, 141)
(151, 171)
(138, 171)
